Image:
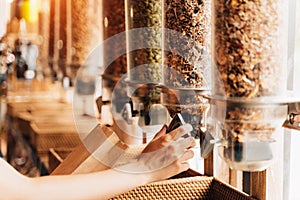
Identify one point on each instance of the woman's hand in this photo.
(162, 139)
(167, 154)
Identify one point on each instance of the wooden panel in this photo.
(233, 178)
(209, 165)
(255, 184)
(81, 160)
(73, 161)
(56, 156)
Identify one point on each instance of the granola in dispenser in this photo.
(246, 47)
(246, 51)
(191, 18)
(142, 14)
(85, 29)
(113, 24)
(248, 64)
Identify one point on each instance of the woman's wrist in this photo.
(139, 170)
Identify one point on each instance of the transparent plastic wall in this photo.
(113, 19)
(249, 84)
(75, 30)
(86, 29)
(144, 64)
(144, 54)
(113, 14)
(187, 56)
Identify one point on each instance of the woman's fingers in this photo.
(179, 147)
(174, 168)
(170, 161)
(193, 143)
(159, 159)
(181, 164)
(186, 156)
(184, 166)
(161, 139)
(167, 155)
(177, 167)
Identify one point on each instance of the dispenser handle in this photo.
(176, 122)
(293, 118)
(293, 121)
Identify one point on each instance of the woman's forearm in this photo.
(165, 156)
(99, 185)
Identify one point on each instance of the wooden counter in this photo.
(37, 120)
(42, 126)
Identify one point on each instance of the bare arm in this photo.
(99, 185)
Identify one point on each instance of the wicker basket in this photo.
(45, 136)
(198, 187)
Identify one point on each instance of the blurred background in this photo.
(44, 43)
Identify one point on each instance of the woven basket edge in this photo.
(182, 180)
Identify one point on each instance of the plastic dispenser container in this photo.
(250, 85)
(144, 57)
(187, 65)
(114, 49)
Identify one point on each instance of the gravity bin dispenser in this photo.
(224, 66)
(168, 45)
(251, 92)
(144, 44)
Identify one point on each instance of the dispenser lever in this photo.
(292, 121)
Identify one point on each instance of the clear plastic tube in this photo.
(250, 48)
(144, 53)
(113, 15)
(249, 83)
(147, 17)
(113, 19)
(186, 70)
(86, 23)
(189, 64)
